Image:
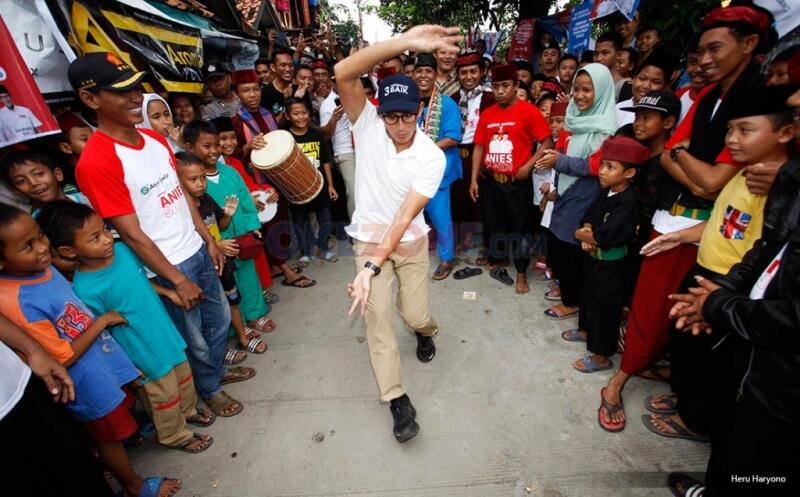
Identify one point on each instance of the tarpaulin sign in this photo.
(23, 114)
(580, 28)
(522, 42)
(603, 8)
(172, 53)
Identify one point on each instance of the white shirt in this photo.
(14, 375)
(342, 141)
(686, 103)
(623, 116)
(21, 121)
(473, 115)
(384, 178)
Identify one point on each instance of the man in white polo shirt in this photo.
(399, 171)
(129, 176)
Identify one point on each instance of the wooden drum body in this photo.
(288, 168)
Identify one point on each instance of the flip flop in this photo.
(610, 426)
(264, 325)
(271, 298)
(573, 335)
(296, 283)
(551, 295)
(304, 261)
(196, 420)
(545, 277)
(252, 346)
(467, 272)
(194, 438)
(669, 399)
(237, 374)
(680, 431)
(279, 274)
(152, 485)
(442, 272)
(230, 358)
(501, 275)
(221, 401)
(554, 314)
(592, 367)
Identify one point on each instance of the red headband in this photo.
(624, 149)
(385, 72)
(551, 87)
(69, 120)
(740, 13)
(244, 76)
(319, 64)
(468, 60)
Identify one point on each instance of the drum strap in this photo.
(251, 124)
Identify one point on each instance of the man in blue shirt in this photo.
(441, 121)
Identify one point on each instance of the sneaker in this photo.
(682, 485)
(426, 350)
(403, 413)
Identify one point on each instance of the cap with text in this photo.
(398, 93)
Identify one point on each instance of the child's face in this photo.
(697, 77)
(93, 240)
(536, 88)
(649, 78)
(566, 70)
(606, 54)
(522, 94)
(37, 181)
(298, 116)
(778, 73)
(623, 64)
(646, 41)
(544, 107)
(193, 178)
(751, 139)
(77, 138)
(206, 148)
(227, 142)
(613, 173)
(160, 117)
(649, 124)
(583, 92)
(26, 248)
(249, 94)
(556, 125)
(184, 111)
(524, 76)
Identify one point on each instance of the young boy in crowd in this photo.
(228, 144)
(193, 178)
(315, 148)
(202, 139)
(690, 93)
(760, 131)
(149, 338)
(40, 301)
(34, 176)
(75, 132)
(608, 228)
(652, 75)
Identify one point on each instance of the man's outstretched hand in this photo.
(430, 38)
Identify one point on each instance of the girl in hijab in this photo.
(158, 117)
(590, 119)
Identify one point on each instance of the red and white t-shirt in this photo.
(508, 135)
(121, 179)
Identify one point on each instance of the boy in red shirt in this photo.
(504, 141)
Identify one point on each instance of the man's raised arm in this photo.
(427, 38)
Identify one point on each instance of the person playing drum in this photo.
(399, 171)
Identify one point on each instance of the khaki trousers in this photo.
(408, 265)
(169, 400)
(347, 166)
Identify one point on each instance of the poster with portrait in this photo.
(23, 113)
(603, 8)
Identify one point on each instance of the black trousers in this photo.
(692, 375)
(754, 444)
(47, 451)
(601, 321)
(566, 260)
(507, 222)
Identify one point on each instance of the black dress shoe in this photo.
(403, 413)
(426, 350)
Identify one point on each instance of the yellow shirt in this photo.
(735, 224)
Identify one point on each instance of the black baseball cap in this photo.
(214, 68)
(103, 71)
(662, 101)
(425, 60)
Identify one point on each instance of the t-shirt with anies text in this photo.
(508, 135)
(121, 179)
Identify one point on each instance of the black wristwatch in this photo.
(673, 154)
(375, 269)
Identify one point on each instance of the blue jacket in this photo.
(569, 208)
(450, 127)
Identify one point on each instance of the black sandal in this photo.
(501, 275)
(296, 283)
(467, 272)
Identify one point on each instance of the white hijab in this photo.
(150, 97)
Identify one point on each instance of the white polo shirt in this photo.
(384, 178)
(21, 121)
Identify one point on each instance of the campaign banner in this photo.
(33, 38)
(522, 42)
(786, 13)
(603, 8)
(239, 53)
(172, 53)
(580, 28)
(23, 114)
